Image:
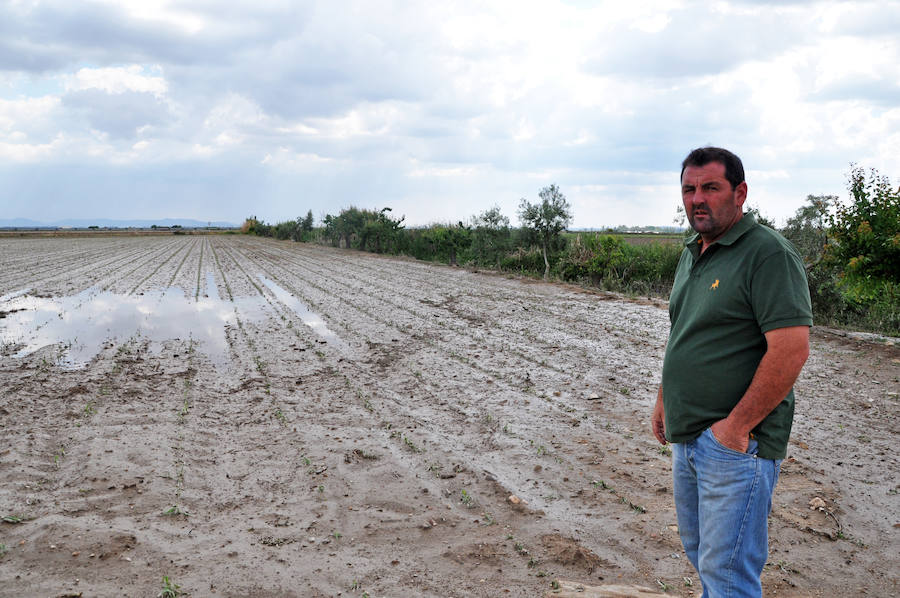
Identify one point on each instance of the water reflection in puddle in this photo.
(310, 318)
(81, 324)
(9, 296)
(212, 291)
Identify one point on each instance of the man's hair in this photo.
(734, 168)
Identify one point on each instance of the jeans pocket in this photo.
(751, 447)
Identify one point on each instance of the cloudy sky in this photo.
(215, 110)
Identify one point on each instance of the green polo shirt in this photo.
(748, 282)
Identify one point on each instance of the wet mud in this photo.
(255, 418)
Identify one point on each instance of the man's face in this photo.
(711, 205)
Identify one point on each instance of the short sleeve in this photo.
(779, 292)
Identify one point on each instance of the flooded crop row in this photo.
(258, 418)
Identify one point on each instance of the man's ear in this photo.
(740, 194)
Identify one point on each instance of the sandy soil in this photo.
(380, 460)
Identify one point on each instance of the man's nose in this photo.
(695, 197)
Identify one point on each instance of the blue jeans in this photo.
(723, 499)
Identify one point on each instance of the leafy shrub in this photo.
(611, 263)
(523, 261)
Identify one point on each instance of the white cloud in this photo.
(419, 170)
(286, 159)
(27, 113)
(116, 80)
(28, 152)
(162, 12)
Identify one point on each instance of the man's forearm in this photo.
(785, 355)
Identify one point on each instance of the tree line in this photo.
(851, 248)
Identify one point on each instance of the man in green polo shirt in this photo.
(740, 315)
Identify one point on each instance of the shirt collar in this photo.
(743, 225)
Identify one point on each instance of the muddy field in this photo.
(256, 418)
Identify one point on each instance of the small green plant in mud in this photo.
(13, 519)
(170, 589)
(321, 489)
(337, 535)
(785, 567)
(520, 548)
(3, 550)
(663, 585)
(410, 444)
(58, 456)
(634, 507)
(554, 584)
(665, 451)
(89, 409)
(260, 364)
(467, 499)
(601, 484)
(175, 511)
(279, 415)
(488, 519)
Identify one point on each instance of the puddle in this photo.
(310, 318)
(83, 323)
(80, 325)
(212, 291)
(14, 294)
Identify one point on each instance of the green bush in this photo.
(523, 261)
(611, 263)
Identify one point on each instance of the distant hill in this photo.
(108, 223)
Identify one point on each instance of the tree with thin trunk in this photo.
(546, 219)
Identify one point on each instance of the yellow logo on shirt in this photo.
(714, 285)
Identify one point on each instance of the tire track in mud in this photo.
(67, 442)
